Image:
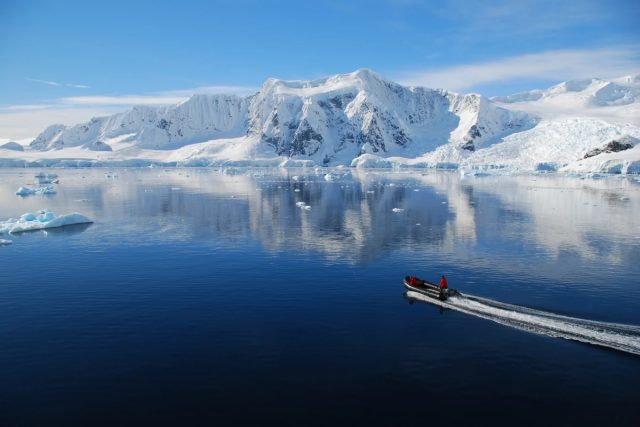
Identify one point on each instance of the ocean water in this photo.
(215, 297)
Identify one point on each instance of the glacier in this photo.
(361, 120)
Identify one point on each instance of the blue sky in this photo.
(64, 61)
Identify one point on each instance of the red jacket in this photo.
(443, 283)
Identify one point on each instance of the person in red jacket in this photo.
(443, 283)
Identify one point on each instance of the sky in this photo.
(67, 61)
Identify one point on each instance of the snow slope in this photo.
(616, 101)
(362, 120)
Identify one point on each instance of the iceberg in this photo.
(26, 191)
(46, 178)
(41, 220)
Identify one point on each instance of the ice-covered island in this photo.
(41, 220)
(362, 120)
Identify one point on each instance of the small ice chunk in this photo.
(25, 191)
(4, 242)
(297, 190)
(300, 204)
(45, 216)
(330, 177)
(28, 217)
(295, 178)
(396, 210)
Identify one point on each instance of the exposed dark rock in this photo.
(468, 146)
(302, 139)
(611, 147)
(164, 124)
(474, 132)
(98, 146)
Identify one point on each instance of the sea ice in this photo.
(4, 242)
(41, 220)
(396, 210)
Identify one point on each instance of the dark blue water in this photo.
(207, 297)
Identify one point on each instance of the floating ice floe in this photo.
(26, 191)
(330, 177)
(303, 205)
(396, 210)
(41, 220)
(4, 242)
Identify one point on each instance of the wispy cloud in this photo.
(122, 100)
(553, 65)
(159, 98)
(58, 84)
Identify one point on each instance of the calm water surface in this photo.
(208, 297)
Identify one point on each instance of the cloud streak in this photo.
(58, 84)
(160, 98)
(553, 65)
(122, 100)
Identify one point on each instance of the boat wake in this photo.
(613, 335)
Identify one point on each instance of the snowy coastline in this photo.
(363, 121)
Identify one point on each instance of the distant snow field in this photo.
(363, 121)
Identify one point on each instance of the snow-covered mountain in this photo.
(329, 121)
(363, 120)
(197, 119)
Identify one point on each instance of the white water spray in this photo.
(613, 335)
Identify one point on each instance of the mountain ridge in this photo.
(325, 120)
(361, 119)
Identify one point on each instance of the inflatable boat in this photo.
(427, 288)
